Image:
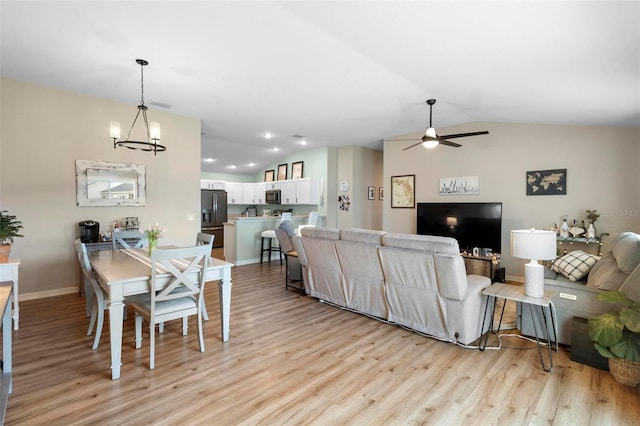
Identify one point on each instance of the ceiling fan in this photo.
(431, 139)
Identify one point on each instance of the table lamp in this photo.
(535, 245)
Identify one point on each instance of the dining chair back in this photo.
(129, 239)
(176, 291)
(293, 270)
(94, 291)
(205, 239)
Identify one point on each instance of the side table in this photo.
(516, 293)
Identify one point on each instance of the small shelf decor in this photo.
(154, 233)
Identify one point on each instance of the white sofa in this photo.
(618, 269)
(416, 281)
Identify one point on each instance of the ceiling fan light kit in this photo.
(431, 139)
(152, 129)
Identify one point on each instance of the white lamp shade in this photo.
(533, 244)
(114, 129)
(154, 130)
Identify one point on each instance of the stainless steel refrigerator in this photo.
(213, 214)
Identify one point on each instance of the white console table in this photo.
(9, 272)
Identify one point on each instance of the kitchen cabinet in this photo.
(259, 189)
(234, 193)
(306, 191)
(288, 192)
(212, 184)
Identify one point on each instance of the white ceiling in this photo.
(338, 73)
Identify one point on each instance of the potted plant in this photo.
(617, 337)
(9, 229)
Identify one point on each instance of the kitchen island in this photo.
(242, 237)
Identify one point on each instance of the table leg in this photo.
(6, 343)
(16, 292)
(548, 337)
(225, 303)
(490, 300)
(116, 311)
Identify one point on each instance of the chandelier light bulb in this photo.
(154, 131)
(114, 127)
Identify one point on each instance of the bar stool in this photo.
(270, 235)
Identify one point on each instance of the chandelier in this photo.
(153, 128)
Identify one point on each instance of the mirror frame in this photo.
(81, 184)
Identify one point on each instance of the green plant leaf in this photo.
(605, 329)
(631, 319)
(614, 297)
(628, 347)
(605, 352)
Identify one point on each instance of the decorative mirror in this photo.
(107, 184)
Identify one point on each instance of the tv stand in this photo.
(485, 266)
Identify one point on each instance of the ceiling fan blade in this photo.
(448, 143)
(393, 140)
(462, 135)
(411, 146)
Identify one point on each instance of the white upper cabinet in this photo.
(259, 189)
(212, 184)
(234, 192)
(306, 191)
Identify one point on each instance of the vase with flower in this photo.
(154, 233)
(592, 216)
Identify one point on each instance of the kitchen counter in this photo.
(242, 241)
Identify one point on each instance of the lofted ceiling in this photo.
(337, 73)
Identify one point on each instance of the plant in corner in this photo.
(9, 229)
(617, 337)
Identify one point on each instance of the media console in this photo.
(485, 266)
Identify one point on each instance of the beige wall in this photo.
(602, 174)
(361, 168)
(43, 132)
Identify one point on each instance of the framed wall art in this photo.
(381, 193)
(268, 175)
(282, 171)
(371, 193)
(547, 182)
(403, 191)
(296, 170)
(465, 185)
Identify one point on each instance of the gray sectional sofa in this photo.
(416, 281)
(618, 269)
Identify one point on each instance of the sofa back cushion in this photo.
(605, 274)
(626, 250)
(324, 276)
(362, 277)
(428, 243)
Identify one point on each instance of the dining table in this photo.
(121, 275)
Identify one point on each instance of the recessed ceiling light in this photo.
(251, 164)
(276, 149)
(303, 142)
(209, 160)
(268, 135)
(232, 166)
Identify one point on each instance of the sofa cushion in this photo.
(428, 243)
(626, 250)
(575, 265)
(605, 274)
(326, 233)
(288, 227)
(365, 236)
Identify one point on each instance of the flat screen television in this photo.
(472, 224)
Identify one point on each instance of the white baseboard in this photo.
(49, 293)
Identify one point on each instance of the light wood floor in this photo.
(293, 360)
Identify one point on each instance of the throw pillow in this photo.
(575, 265)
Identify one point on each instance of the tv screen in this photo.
(472, 224)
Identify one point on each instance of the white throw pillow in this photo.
(575, 265)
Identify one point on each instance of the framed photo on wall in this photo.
(296, 170)
(268, 175)
(381, 193)
(371, 193)
(403, 191)
(282, 171)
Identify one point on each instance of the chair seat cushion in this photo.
(270, 233)
(165, 306)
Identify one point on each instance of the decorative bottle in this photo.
(591, 231)
(564, 229)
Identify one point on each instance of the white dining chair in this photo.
(270, 235)
(94, 291)
(129, 239)
(179, 297)
(207, 240)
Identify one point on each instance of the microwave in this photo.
(272, 196)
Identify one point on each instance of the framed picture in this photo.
(282, 171)
(296, 170)
(268, 175)
(547, 182)
(403, 191)
(371, 192)
(381, 193)
(465, 185)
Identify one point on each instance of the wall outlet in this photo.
(191, 216)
